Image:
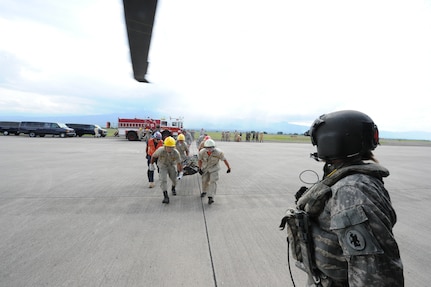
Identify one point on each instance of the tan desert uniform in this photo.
(167, 162)
(183, 149)
(210, 168)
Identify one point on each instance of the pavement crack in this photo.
(207, 234)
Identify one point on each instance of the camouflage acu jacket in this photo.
(352, 219)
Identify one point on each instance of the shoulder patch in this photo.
(355, 240)
(358, 240)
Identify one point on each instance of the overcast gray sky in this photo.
(223, 60)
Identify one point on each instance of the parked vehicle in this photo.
(9, 128)
(132, 128)
(85, 129)
(41, 129)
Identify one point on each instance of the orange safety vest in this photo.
(152, 147)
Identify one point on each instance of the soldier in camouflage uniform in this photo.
(350, 212)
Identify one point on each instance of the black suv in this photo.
(9, 128)
(45, 128)
(85, 129)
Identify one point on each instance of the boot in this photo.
(174, 192)
(166, 197)
(210, 200)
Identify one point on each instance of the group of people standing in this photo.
(252, 136)
(168, 155)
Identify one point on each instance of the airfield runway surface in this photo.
(78, 212)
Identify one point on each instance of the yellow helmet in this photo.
(169, 142)
(181, 137)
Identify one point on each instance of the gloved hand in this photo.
(201, 172)
(300, 192)
(228, 170)
(151, 167)
(180, 175)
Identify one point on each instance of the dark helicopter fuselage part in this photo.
(139, 17)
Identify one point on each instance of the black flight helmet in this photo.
(343, 135)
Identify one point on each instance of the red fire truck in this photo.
(135, 129)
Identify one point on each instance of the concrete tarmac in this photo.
(79, 212)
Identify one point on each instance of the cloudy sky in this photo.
(221, 61)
